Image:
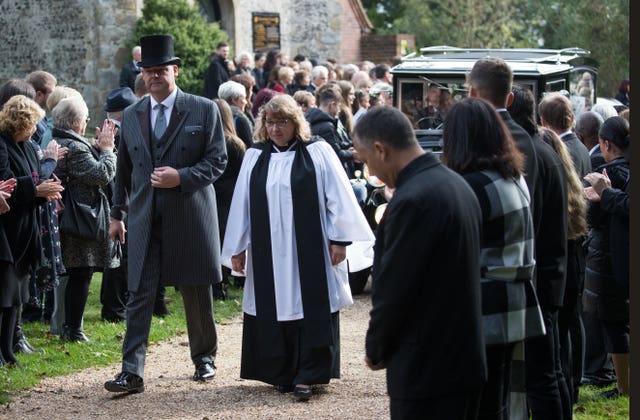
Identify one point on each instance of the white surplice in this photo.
(340, 216)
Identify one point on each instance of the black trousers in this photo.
(494, 400)
(76, 294)
(547, 393)
(462, 406)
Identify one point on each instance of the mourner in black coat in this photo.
(425, 326)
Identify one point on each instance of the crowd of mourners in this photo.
(546, 236)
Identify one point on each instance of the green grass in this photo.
(593, 407)
(106, 341)
(106, 345)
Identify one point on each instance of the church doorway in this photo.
(220, 11)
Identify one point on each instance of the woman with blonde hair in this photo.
(21, 250)
(292, 215)
(225, 185)
(577, 213)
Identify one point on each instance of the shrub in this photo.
(194, 37)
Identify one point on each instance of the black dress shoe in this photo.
(204, 372)
(24, 347)
(302, 393)
(125, 382)
(283, 389)
(74, 335)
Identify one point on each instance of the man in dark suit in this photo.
(425, 325)
(218, 72)
(131, 69)
(171, 150)
(546, 389)
(556, 113)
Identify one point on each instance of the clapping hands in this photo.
(105, 137)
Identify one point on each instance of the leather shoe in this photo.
(23, 346)
(204, 372)
(125, 382)
(75, 335)
(283, 389)
(302, 393)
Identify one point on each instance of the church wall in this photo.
(79, 42)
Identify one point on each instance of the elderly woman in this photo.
(477, 145)
(85, 173)
(292, 215)
(235, 94)
(20, 250)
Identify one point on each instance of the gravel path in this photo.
(171, 394)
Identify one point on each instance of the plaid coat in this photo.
(510, 310)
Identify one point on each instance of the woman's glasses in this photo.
(278, 123)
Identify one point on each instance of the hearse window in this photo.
(582, 90)
(426, 102)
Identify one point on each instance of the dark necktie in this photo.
(161, 122)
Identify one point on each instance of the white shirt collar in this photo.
(566, 133)
(167, 102)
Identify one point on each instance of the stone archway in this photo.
(221, 11)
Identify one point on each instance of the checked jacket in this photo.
(510, 310)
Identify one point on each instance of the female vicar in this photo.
(294, 213)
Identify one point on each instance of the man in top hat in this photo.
(171, 150)
(113, 292)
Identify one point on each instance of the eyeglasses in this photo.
(279, 123)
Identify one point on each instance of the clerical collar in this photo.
(287, 147)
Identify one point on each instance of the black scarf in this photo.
(310, 246)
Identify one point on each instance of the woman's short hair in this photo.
(58, 94)
(262, 97)
(302, 97)
(285, 71)
(231, 90)
(283, 107)
(68, 112)
(475, 138)
(19, 114)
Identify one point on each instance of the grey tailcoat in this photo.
(194, 145)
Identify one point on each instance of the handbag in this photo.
(83, 220)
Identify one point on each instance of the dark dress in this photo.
(20, 244)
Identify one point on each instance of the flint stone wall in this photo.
(79, 42)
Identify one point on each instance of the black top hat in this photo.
(118, 99)
(157, 50)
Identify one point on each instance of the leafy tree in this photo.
(383, 13)
(194, 38)
(602, 28)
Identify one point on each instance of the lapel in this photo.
(144, 122)
(19, 158)
(178, 117)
